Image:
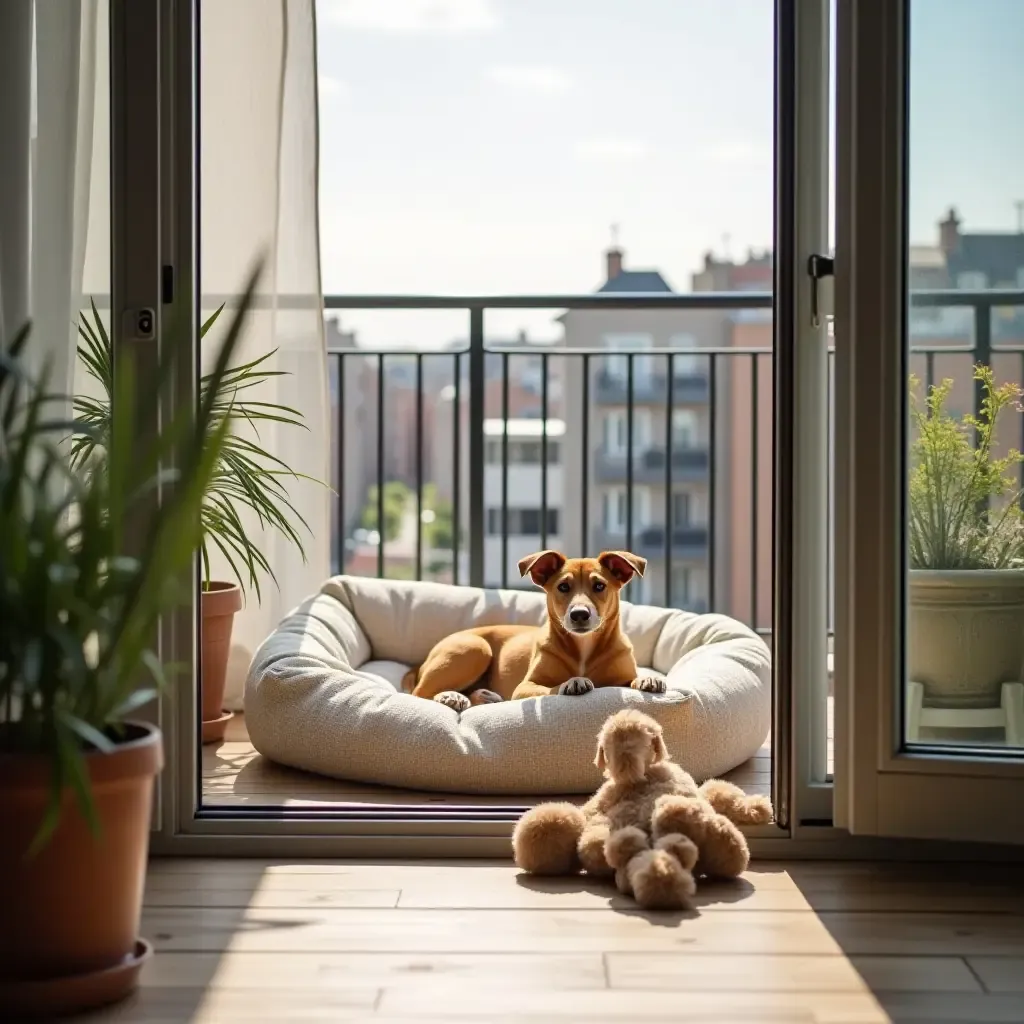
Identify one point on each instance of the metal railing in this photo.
(663, 462)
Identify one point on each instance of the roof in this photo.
(636, 281)
(998, 255)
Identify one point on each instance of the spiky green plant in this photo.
(78, 609)
(964, 502)
(246, 475)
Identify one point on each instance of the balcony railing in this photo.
(688, 464)
(687, 387)
(687, 542)
(586, 386)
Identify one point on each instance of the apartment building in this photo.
(658, 443)
(967, 261)
(744, 456)
(352, 384)
(519, 518)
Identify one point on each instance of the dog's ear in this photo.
(541, 565)
(623, 565)
(601, 762)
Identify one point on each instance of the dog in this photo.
(580, 647)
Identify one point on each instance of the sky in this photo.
(488, 146)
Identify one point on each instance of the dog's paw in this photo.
(453, 699)
(649, 684)
(575, 687)
(478, 697)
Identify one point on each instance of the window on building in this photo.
(524, 453)
(617, 365)
(616, 431)
(522, 522)
(685, 428)
(682, 365)
(682, 586)
(682, 509)
(614, 509)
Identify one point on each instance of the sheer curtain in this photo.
(258, 192)
(51, 172)
(258, 197)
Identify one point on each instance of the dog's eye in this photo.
(564, 587)
(599, 586)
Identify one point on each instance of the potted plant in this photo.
(246, 477)
(78, 616)
(966, 549)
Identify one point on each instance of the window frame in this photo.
(883, 788)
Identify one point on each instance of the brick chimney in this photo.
(613, 262)
(949, 232)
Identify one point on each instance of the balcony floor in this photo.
(235, 775)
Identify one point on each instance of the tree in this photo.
(438, 528)
(397, 501)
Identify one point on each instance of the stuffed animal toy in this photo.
(649, 824)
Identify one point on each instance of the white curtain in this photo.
(49, 51)
(258, 193)
(258, 197)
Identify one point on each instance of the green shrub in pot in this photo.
(966, 547)
(247, 478)
(79, 611)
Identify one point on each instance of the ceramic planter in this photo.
(69, 923)
(220, 602)
(966, 634)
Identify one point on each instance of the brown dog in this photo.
(580, 647)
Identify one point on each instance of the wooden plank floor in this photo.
(248, 941)
(234, 775)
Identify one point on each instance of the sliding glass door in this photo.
(469, 395)
(930, 366)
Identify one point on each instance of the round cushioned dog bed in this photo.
(323, 693)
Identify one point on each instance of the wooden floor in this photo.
(234, 775)
(240, 942)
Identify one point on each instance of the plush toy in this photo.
(649, 824)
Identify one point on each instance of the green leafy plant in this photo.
(79, 607)
(246, 475)
(964, 502)
(397, 500)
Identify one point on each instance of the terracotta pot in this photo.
(220, 602)
(72, 909)
(966, 634)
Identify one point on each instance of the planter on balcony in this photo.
(966, 635)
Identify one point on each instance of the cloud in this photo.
(333, 88)
(612, 149)
(737, 154)
(436, 17)
(547, 81)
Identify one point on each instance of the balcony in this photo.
(437, 422)
(688, 543)
(652, 389)
(649, 466)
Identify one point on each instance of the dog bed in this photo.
(323, 693)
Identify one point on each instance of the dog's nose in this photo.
(579, 614)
